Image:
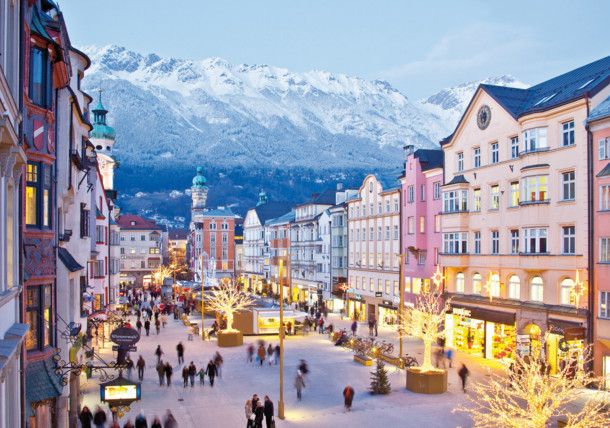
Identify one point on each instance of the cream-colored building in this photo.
(515, 226)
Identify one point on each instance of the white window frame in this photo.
(514, 287)
(437, 190)
(604, 304)
(494, 153)
(535, 188)
(567, 135)
(604, 197)
(495, 242)
(476, 200)
(604, 148)
(460, 282)
(568, 186)
(514, 241)
(514, 195)
(455, 201)
(514, 147)
(604, 250)
(455, 242)
(494, 192)
(477, 242)
(460, 161)
(535, 139)
(476, 157)
(533, 238)
(565, 292)
(477, 283)
(537, 289)
(568, 240)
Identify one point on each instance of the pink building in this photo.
(599, 126)
(420, 217)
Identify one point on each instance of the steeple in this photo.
(99, 112)
(101, 130)
(199, 190)
(262, 198)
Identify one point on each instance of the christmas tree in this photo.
(379, 380)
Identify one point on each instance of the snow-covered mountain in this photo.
(257, 125)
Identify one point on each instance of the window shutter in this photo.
(602, 149)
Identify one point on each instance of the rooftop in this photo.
(271, 209)
(286, 218)
(134, 222)
(602, 111)
(430, 158)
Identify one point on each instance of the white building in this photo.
(12, 160)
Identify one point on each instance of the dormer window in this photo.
(133, 223)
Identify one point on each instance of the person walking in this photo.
(139, 326)
(250, 352)
(169, 421)
(268, 412)
(254, 402)
(354, 327)
(85, 417)
(450, 357)
(348, 397)
(158, 353)
(192, 373)
(277, 353)
(180, 351)
(375, 323)
(128, 424)
(261, 354)
(141, 365)
(163, 320)
(259, 414)
(299, 384)
(249, 414)
(201, 374)
(185, 376)
(321, 325)
(158, 326)
(161, 372)
(141, 420)
(371, 326)
(168, 374)
(129, 366)
(218, 363)
(99, 419)
(211, 371)
(270, 354)
(147, 326)
(156, 423)
(463, 373)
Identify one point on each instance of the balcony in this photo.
(533, 150)
(538, 202)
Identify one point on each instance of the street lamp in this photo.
(280, 403)
(202, 300)
(401, 299)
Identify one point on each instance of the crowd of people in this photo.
(99, 419)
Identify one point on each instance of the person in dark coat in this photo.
(158, 353)
(185, 376)
(354, 328)
(147, 327)
(268, 411)
(168, 374)
(158, 325)
(348, 397)
(192, 373)
(259, 414)
(161, 372)
(211, 372)
(156, 423)
(463, 373)
(141, 421)
(139, 325)
(180, 351)
(99, 419)
(85, 417)
(170, 421)
(141, 364)
(255, 401)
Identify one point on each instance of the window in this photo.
(604, 304)
(604, 197)
(514, 194)
(565, 292)
(495, 153)
(514, 287)
(39, 317)
(495, 242)
(40, 87)
(411, 194)
(514, 241)
(422, 192)
(455, 243)
(514, 147)
(460, 162)
(477, 242)
(455, 201)
(437, 223)
(38, 195)
(535, 240)
(100, 234)
(568, 186)
(387, 286)
(460, 281)
(568, 133)
(421, 258)
(395, 232)
(535, 189)
(416, 286)
(604, 250)
(568, 240)
(437, 190)
(604, 149)
(494, 285)
(411, 225)
(422, 224)
(536, 289)
(371, 233)
(379, 233)
(477, 283)
(495, 197)
(476, 157)
(535, 139)
(476, 200)
(153, 250)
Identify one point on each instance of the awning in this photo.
(41, 383)
(570, 330)
(483, 314)
(11, 344)
(69, 262)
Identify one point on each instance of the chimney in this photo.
(409, 149)
(339, 186)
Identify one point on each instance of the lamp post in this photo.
(202, 300)
(280, 403)
(401, 300)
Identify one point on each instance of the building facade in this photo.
(374, 248)
(338, 256)
(277, 232)
(420, 218)
(12, 161)
(515, 240)
(599, 126)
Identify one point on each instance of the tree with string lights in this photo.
(527, 396)
(227, 299)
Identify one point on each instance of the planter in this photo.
(430, 382)
(227, 339)
(365, 361)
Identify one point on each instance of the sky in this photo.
(419, 47)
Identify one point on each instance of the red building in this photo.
(213, 236)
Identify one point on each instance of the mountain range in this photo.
(255, 126)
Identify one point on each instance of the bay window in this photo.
(535, 240)
(455, 201)
(455, 242)
(535, 139)
(38, 195)
(39, 317)
(535, 188)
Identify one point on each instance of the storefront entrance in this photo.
(565, 341)
(356, 310)
(606, 371)
(388, 314)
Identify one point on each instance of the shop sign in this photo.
(120, 391)
(462, 312)
(378, 294)
(125, 336)
(523, 344)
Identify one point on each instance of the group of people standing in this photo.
(257, 411)
(270, 353)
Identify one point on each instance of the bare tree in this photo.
(227, 299)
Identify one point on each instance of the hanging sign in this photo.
(125, 336)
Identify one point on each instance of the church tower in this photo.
(199, 191)
(103, 136)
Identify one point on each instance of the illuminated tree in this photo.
(227, 299)
(160, 273)
(426, 318)
(529, 397)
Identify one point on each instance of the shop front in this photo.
(356, 308)
(388, 313)
(482, 332)
(565, 340)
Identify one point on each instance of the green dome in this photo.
(199, 180)
(102, 131)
